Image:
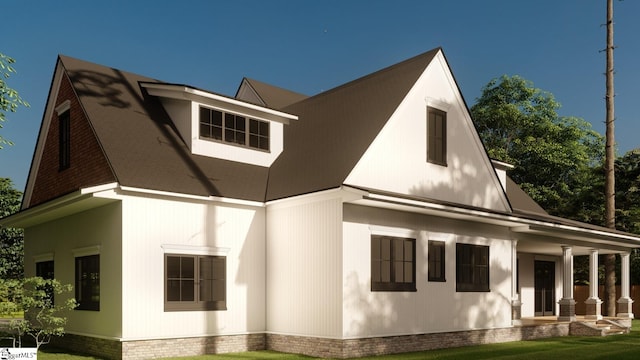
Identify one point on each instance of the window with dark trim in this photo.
(436, 136)
(393, 263)
(436, 261)
(194, 282)
(64, 140)
(235, 129)
(472, 268)
(88, 282)
(44, 269)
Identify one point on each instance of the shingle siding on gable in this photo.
(88, 165)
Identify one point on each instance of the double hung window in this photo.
(195, 282)
(472, 268)
(393, 263)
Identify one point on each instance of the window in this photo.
(393, 263)
(472, 268)
(436, 261)
(88, 282)
(44, 269)
(64, 140)
(195, 282)
(232, 128)
(436, 136)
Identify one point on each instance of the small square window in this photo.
(393, 263)
(472, 268)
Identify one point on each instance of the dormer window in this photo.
(232, 128)
(221, 127)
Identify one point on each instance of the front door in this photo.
(544, 284)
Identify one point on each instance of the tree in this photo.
(610, 156)
(552, 154)
(9, 98)
(43, 317)
(11, 240)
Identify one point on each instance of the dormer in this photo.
(217, 126)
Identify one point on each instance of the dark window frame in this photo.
(436, 136)
(193, 284)
(234, 129)
(88, 282)
(436, 261)
(64, 140)
(387, 262)
(472, 268)
(45, 270)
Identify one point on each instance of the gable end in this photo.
(85, 164)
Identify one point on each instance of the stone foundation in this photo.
(153, 349)
(312, 346)
(341, 349)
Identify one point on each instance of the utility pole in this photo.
(610, 188)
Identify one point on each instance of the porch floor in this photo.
(542, 320)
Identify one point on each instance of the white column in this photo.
(624, 303)
(516, 305)
(567, 303)
(594, 304)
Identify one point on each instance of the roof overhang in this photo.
(535, 235)
(72, 203)
(183, 92)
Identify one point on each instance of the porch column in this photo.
(594, 304)
(624, 303)
(567, 304)
(516, 305)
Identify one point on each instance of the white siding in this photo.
(397, 159)
(435, 306)
(304, 267)
(527, 281)
(150, 224)
(97, 227)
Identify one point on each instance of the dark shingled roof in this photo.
(142, 145)
(272, 96)
(336, 127)
(520, 201)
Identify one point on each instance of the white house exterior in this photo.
(363, 220)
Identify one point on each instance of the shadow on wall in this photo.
(436, 306)
(115, 98)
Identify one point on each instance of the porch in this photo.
(543, 285)
(581, 326)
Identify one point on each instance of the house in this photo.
(366, 219)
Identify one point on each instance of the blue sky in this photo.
(311, 46)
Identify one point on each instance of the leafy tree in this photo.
(11, 240)
(552, 154)
(9, 98)
(43, 317)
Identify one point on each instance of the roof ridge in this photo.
(428, 54)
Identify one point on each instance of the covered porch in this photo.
(543, 281)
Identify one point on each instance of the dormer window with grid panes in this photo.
(234, 129)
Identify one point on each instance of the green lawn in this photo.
(570, 347)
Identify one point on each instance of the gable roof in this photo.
(337, 126)
(141, 143)
(268, 95)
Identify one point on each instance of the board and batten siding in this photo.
(154, 226)
(396, 161)
(304, 266)
(97, 230)
(435, 306)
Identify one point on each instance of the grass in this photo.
(568, 347)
